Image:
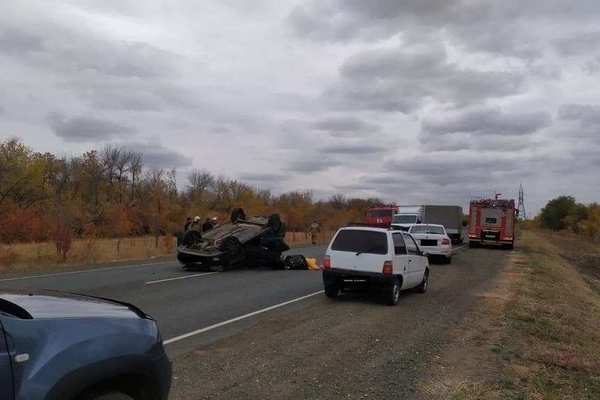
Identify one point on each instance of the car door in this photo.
(401, 258)
(414, 266)
(6, 378)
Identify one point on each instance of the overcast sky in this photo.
(415, 101)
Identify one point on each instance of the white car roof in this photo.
(364, 228)
(427, 225)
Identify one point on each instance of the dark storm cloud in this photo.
(393, 79)
(487, 122)
(344, 125)
(86, 129)
(158, 156)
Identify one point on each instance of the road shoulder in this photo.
(534, 335)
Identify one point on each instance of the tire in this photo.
(275, 224)
(423, 286)
(236, 253)
(473, 245)
(448, 260)
(332, 291)
(392, 293)
(237, 214)
(109, 396)
(510, 246)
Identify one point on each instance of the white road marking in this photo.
(241, 317)
(180, 277)
(100, 269)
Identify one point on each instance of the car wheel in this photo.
(422, 288)
(237, 214)
(473, 245)
(110, 396)
(448, 260)
(275, 224)
(332, 291)
(393, 293)
(235, 253)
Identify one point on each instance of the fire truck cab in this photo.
(381, 216)
(492, 222)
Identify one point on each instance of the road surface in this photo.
(273, 334)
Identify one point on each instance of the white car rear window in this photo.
(361, 241)
(431, 230)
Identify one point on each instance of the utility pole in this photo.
(521, 206)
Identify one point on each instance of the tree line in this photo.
(111, 193)
(564, 212)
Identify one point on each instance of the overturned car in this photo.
(252, 242)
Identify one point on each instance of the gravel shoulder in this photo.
(350, 348)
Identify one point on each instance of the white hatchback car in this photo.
(433, 240)
(377, 258)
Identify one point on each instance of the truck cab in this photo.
(492, 222)
(407, 216)
(381, 216)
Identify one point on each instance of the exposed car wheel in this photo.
(473, 245)
(448, 260)
(392, 295)
(422, 288)
(237, 214)
(332, 291)
(234, 250)
(110, 396)
(275, 223)
(510, 246)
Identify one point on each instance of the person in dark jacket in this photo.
(188, 222)
(207, 225)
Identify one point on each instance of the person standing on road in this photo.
(207, 225)
(196, 224)
(188, 222)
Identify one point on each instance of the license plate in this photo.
(490, 237)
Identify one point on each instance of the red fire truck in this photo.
(492, 221)
(382, 215)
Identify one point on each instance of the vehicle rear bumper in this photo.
(437, 251)
(336, 276)
(491, 242)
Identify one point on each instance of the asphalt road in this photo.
(184, 301)
(311, 347)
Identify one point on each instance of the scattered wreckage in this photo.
(247, 241)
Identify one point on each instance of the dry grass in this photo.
(535, 336)
(30, 257)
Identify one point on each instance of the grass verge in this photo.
(535, 336)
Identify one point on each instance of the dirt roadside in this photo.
(534, 335)
(351, 348)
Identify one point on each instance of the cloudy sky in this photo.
(411, 101)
